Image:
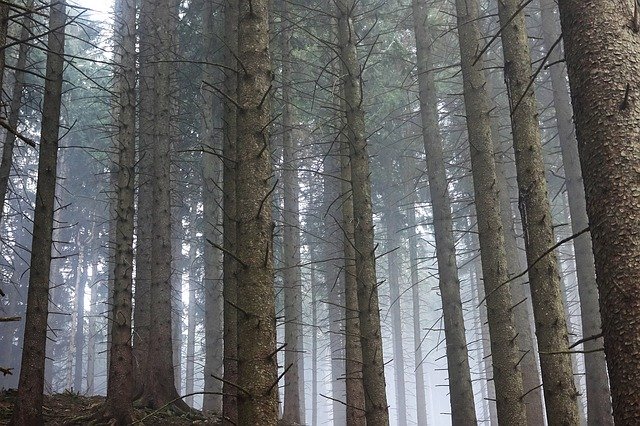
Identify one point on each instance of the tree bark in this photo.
(504, 350)
(28, 408)
(551, 330)
(257, 369)
(597, 380)
(601, 50)
(461, 391)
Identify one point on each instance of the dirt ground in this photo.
(73, 409)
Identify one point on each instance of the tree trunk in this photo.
(229, 220)
(120, 385)
(28, 408)
(461, 391)
(504, 350)
(191, 317)
(601, 50)
(597, 381)
(551, 330)
(377, 411)
(257, 368)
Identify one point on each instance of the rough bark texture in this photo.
(504, 350)
(602, 47)
(551, 330)
(229, 231)
(596, 378)
(353, 347)
(120, 386)
(293, 356)
(461, 391)
(257, 370)
(377, 412)
(28, 408)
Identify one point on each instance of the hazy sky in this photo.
(100, 6)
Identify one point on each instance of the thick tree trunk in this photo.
(461, 391)
(551, 330)
(229, 222)
(597, 381)
(257, 369)
(601, 49)
(28, 408)
(504, 350)
(377, 411)
(120, 384)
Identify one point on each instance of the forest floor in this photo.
(69, 408)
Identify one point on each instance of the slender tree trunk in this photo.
(551, 330)
(191, 315)
(293, 356)
(257, 369)
(355, 409)
(461, 391)
(120, 386)
(504, 350)
(4, 30)
(314, 345)
(601, 50)
(597, 381)
(78, 336)
(377, 411)
(178, 235)
(28, 408)
(14, 109)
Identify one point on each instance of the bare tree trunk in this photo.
(257, 369)
(293, 356)
(314, 344)
(229, 220)
(377, 411)
(551, 330)
(461, 391)
(28, 408)
(191, 315)
(597, 381)
(355, 395)
(504, 350)
(601, 45)
(14, 108)
(120, 385)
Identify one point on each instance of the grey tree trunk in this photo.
(601, 49)
(377, 411)
(597, 380)
(120, 385)
(28, 407)
(461, 391)
(551, 330)
(191, 316)
(257, 369)
(504, 350)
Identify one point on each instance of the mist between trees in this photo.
(307, 213)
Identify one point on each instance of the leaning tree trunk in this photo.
(504, 349)
(28, 408)
(551, 329)
(257, 367)
(597, 381)
(461, 391)
(377, 411)
(602, 47)
(120, 386)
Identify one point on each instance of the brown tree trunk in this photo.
(461, 392)
(257, 369)
(120, 385)
(28, 408)
(601, 49)
(597, 381)
(551, 330)
(504, 350)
